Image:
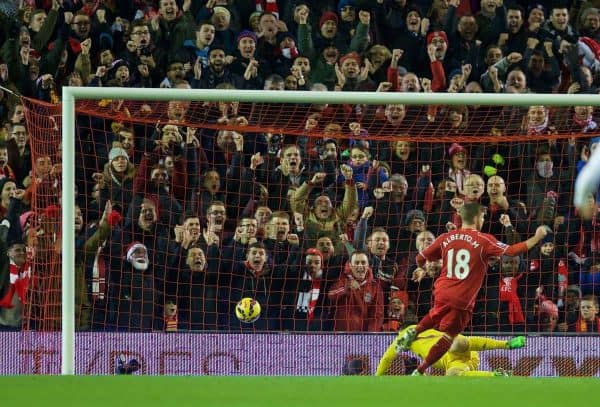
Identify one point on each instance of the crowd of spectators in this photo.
(176, 223)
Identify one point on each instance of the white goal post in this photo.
(71, 94)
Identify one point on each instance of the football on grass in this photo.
(247, 310)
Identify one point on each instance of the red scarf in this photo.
(307, 301)
(171, 323)
(99, 275)
(533, 129)
(508, 293)
(19, 281)
(268, 6)
(586, 124)
(582, 325)
(314, 292)
(73, 44)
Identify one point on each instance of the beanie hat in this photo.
(254, 14)
(549, 238)
(316, 252)
(434, 34)
(133, 246)
(414, 214)
(117, 152)
(246, 34)
(574, 288)
(24, 218)
(327, 16)
(52, 212)
(401, 295)
(344, 3)
(117, 63)
(455, 72)
(455, 148)
(221, 10)
(351, 55)
(283, 35)
(594, 140)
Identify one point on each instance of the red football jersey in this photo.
(464, 254)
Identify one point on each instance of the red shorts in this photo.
(448, 319)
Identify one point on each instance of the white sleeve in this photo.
(588, 179)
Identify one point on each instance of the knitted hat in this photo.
(327, 16)
(283, 35)
(246, 34)
(575, 289)
(434, 34)
(221, 10)
(24, 218)
(401, 295)
(254, 14)
(316, 252)
(549, 238)
(344, 3)
(351, 55)
(133, 246)
(117, 63)
(594, 140)
(412, 215)
(455, 148)
(455, 72)
(52, 212)
(117, 152)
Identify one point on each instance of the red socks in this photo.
(424, 324)
(437, 351)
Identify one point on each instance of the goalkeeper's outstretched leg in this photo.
(461, 360)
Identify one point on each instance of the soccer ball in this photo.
(247, 310)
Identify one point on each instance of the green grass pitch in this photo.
(149, 391)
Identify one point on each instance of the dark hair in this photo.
(590, 297)
(204, 22)
(280, 214)
(357, 252)
(378, 229)
(516, 7)
(243, 218)
(470, 211)
(256, 245)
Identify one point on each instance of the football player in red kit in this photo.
(464, 253)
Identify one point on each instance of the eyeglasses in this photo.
(140, 33)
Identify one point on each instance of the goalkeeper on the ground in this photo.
(461, 360)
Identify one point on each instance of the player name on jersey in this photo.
(461, 236)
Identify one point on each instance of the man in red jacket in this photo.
(357, 297)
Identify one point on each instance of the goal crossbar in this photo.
(71, 94)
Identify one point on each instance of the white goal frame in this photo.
(70, 95)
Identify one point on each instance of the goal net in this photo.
(184, 208)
